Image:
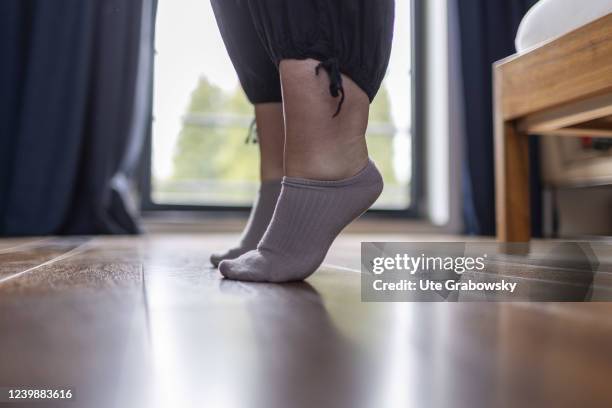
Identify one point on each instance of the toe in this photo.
(243, 268)
(225, 267)
(215, 259)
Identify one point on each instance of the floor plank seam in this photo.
(341, 268)
(74, 251)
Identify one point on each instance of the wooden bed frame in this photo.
(560, 88)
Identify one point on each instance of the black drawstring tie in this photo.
(332, 67)
(252, 133)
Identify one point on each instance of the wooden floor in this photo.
(145, 322)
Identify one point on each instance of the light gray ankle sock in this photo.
(309, 215)
(260, 217)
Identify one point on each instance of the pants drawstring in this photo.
(332, 67)
(252, 133)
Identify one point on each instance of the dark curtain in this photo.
(487, 29)
(74, 109)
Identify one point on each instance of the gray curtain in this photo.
(74, 110)
(487, 30)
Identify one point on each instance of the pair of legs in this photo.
(311, 120)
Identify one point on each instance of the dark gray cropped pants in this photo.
(352, 37)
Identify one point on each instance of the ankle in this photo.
(271, 174)
(326, 171)
(329, 165)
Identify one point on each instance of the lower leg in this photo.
(329, 180)
(318, 145)
(271, 137)
(270, 131)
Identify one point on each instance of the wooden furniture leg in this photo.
(512, 183)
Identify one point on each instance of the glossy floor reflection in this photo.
(144, 322)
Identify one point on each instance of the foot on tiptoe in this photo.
(260, 217)
(309, 215)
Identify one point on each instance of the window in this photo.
(199, 158)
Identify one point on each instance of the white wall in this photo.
(436, 111)
(443, 117)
